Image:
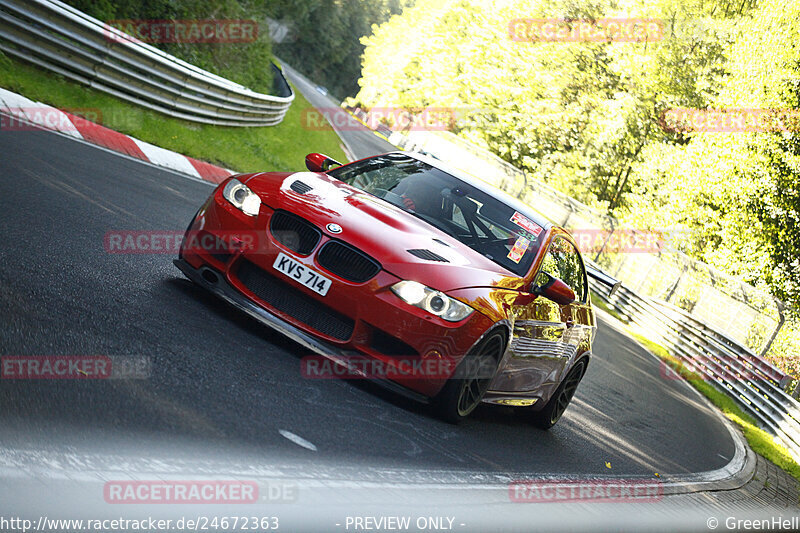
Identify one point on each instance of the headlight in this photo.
(433, 301)
(242, 197)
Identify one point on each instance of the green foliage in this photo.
(784, 352)
(587, 118)
(575, 115)
(246, 63)
(737, 194)
(597, 302)
(275, 148)
(324, 37)
(100, 9)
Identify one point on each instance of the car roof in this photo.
(482, 186)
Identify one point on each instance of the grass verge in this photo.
(276, 148)
(760, 441)
(598, 302)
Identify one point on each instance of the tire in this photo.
(552, 412)
(461, 395)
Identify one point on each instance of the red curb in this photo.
(120, 142)
(103, 136)
(94, 133)
(209, 172)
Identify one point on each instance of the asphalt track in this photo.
(359, 141)
(221, 386)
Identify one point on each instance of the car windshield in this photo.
(480, 221)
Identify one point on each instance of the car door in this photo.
(547, 336)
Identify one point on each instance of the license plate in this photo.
(302, 274)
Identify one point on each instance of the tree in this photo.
(576, 115)
(325, 38)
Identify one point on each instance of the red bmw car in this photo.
(460, 292)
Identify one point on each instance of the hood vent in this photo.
(428, 255)
(299, 187)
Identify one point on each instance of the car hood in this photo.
(381, 230)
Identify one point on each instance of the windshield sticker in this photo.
(523, 233)
(519, 249)
(527, 224)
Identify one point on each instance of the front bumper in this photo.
(214, 282)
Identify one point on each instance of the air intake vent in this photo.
(428, 255)
(347, 262)
(300, 188)
(389, 345)
(294, 303)
(294, 232)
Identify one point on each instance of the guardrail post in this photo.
(781, 321)
(675, 285)
(605, 242)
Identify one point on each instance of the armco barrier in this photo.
(64, 40)
(755, 384)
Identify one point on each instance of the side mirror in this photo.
(320, 162)
(553, 289)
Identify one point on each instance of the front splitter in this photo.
(224, 290)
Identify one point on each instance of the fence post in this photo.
(781, 321)
(605, 242)
(675, 285)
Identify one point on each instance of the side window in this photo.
(549, 264)
(562, 261)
